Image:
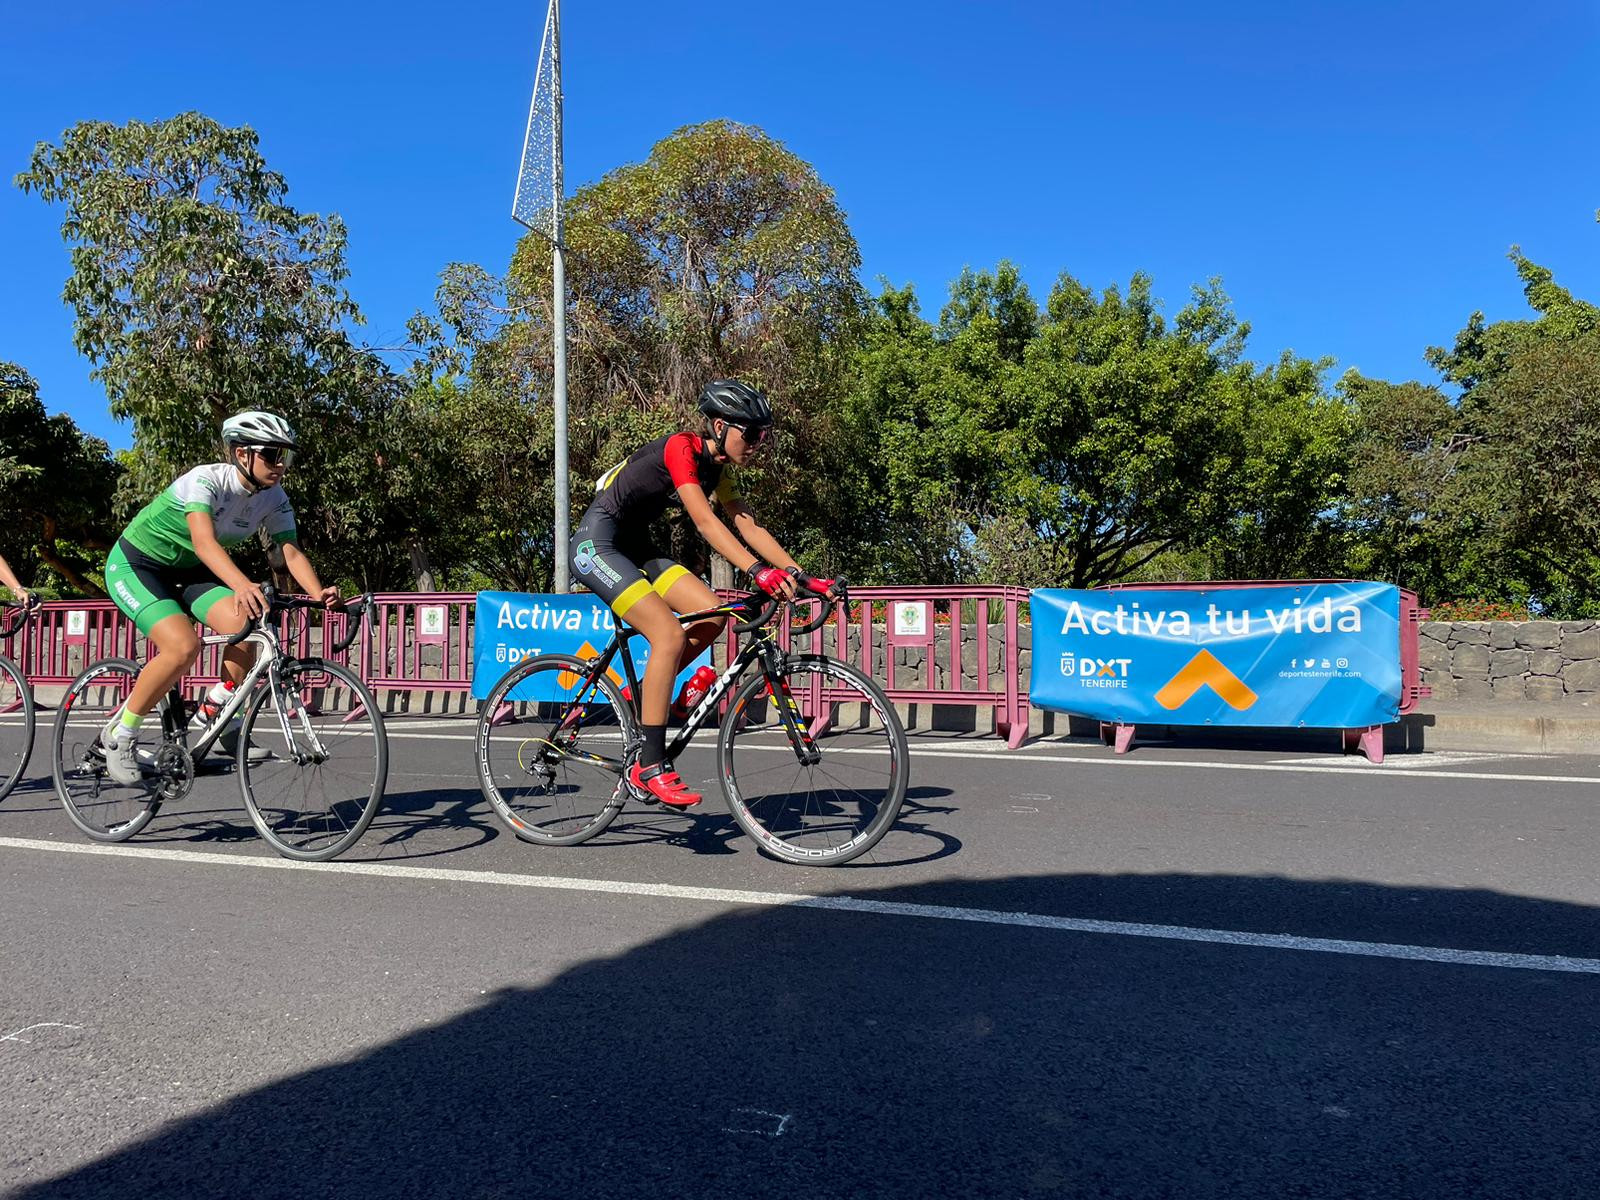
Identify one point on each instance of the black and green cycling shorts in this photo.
(148, 591)
(620, 570)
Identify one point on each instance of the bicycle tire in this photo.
(823, 813)
(278, 793)
(103, 809)
(16, 733)
(540, 783)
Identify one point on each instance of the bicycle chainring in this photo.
(174, 770)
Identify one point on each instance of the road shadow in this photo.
(801, 1052)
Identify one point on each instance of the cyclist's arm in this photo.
(711, 528)
(203, 537)
(754, 534)
(305, 574)
(9, 578)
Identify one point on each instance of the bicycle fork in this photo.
(286, 699)
(789, 713)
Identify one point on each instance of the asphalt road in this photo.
(1242, 972)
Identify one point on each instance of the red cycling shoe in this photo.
(661, 783)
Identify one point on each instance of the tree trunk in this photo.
(422, 566)
(721, 571)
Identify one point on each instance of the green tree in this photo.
(197, 290)
(1123, 437)
(722, 254)
(56, 485)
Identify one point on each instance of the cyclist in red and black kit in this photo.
(613, 553)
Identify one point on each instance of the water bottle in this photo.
(210, 705)
(695, 690)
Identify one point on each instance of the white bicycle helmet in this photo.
(258, 429)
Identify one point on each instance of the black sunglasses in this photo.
(274, 455)
(754, 437)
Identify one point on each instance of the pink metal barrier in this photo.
(945, 645)
(923, 631)
(928, 645)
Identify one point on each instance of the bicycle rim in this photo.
(16, 726)
(314, 798)
(103, 809)
(551, 768)
(818, 813)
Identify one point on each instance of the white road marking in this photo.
(1099, 758)
(17, 1036)
(1410, 762)
(850, 904)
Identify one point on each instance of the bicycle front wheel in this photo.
(104, 809)
(317, 793)
(16, 725)
(551, 750)
(826, 787)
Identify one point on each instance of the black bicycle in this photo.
(16, 699)
(311, 798)
(811, 755)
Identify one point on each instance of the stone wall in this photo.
(1510, 660)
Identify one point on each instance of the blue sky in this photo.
(1355, 173)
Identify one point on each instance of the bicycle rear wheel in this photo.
(104, 809)
(550, 767)
(830, 801)
(16, 725)
(314, 798)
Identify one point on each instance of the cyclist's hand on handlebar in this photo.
(826, 588)
(774, 581)
(330, 596)
(249, 601)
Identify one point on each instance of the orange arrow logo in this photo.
(1204, 670)
(587, 651)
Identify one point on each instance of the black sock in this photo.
(655, 745)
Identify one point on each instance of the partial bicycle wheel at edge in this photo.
(16, 725)
(105, 810)
(314, 798)
(552, 769)
(823, 813)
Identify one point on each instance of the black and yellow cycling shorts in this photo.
(620, 570)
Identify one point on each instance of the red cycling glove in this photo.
(820, 587)
(770, 580)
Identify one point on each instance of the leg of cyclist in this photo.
(686, 593)
(177, 647)
(213, 605)
(653, 617)
(152, 600)
(611, 573)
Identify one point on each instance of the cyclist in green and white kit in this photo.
(172, 563)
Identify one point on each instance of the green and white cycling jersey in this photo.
(161, 530)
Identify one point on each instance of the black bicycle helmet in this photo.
(737, 403)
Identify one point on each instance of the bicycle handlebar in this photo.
(358, 607)
(763, 607)
(10, 629)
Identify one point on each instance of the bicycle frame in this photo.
(762, 647)
(269, 661)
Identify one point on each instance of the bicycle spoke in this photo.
(316, 795)
(825, 811)
(549, 765)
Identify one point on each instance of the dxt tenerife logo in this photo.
(1096, 672)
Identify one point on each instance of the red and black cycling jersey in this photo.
(637, 491)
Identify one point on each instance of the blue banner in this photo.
(1323, 655)
(511, 626)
